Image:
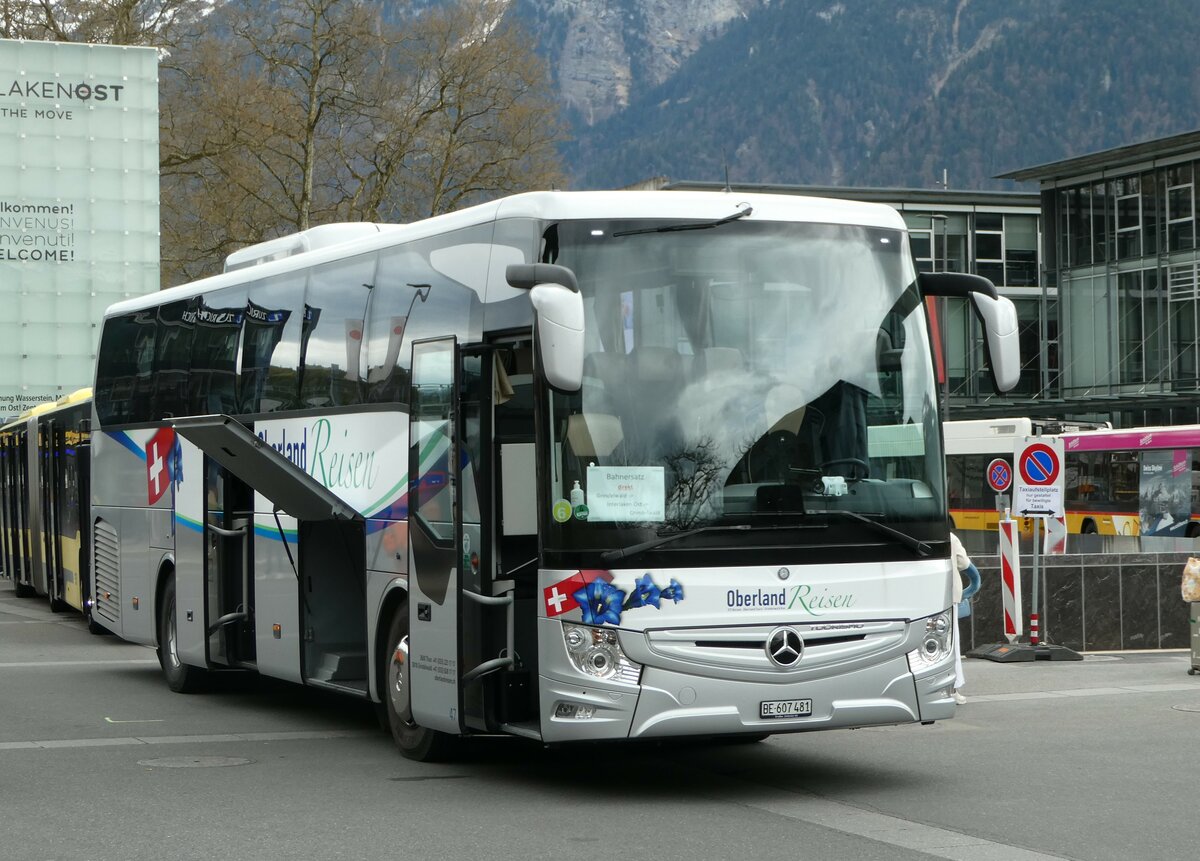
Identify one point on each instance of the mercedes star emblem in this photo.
(784, 647)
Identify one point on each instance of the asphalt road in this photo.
(99, 760)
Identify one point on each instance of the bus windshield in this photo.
(757, 374)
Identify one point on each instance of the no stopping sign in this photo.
(999, 475)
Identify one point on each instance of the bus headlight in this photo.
(937, 643)
(597, 652)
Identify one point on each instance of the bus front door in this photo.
(434, 570)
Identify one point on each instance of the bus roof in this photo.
(984, 436)
(556, 206)
(995, 436)
(76, 397)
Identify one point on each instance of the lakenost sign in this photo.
(78, 206)
(80, 91)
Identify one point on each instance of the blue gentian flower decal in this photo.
(674, 592)
(600, 603)
(645, 593)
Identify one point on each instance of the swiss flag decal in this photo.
(558, 597)
(158, 463)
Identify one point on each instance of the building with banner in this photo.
(78, 206)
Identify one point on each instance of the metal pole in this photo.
(1034, 616)
(943, 308)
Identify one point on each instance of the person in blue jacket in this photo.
(964, 566)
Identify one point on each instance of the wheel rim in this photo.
(398, 683)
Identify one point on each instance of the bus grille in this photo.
(734, 650)
(108, 572)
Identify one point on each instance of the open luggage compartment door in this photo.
(235, 447)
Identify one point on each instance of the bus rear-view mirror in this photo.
(997, 315)
(558, 309)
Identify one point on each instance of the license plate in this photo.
(784, 708)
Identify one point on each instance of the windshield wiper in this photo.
(695, 225)
(634, 549)
(917, 546)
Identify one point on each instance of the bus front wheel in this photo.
(1089, 528)
(180, 677)
(415, 742)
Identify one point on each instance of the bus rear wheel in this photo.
(95, 627)
(181, 678)
(414, 742)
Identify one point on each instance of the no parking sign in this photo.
(1039, 476)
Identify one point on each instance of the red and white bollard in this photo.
(1010, 581)
(1055, 543)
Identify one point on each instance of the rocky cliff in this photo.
(603, 51)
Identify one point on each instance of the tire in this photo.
(181, 678)
(23, 591)
(413, 741)
(95, 627)
(1089, 528)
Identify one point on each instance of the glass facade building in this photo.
(1123, 261)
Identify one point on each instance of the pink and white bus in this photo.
(1112, 476)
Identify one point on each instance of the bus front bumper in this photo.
(670, 703)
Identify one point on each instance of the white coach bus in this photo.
(569, 466)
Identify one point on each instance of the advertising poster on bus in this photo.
(1165, 493)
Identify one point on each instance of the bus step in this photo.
(341, 666)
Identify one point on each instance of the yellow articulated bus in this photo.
(45, 499)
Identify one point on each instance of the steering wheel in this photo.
(854, 461)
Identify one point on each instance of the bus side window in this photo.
(1194, 459)
(1074, 487)
(271, 345)
(212, 384)
(124, 378)
(1126, 476)
(173, 358)
(399, 293)
(337, 303)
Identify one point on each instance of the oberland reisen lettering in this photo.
(55, 90)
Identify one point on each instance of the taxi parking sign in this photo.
(1039, 476)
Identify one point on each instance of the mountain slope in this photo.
(884, 93)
